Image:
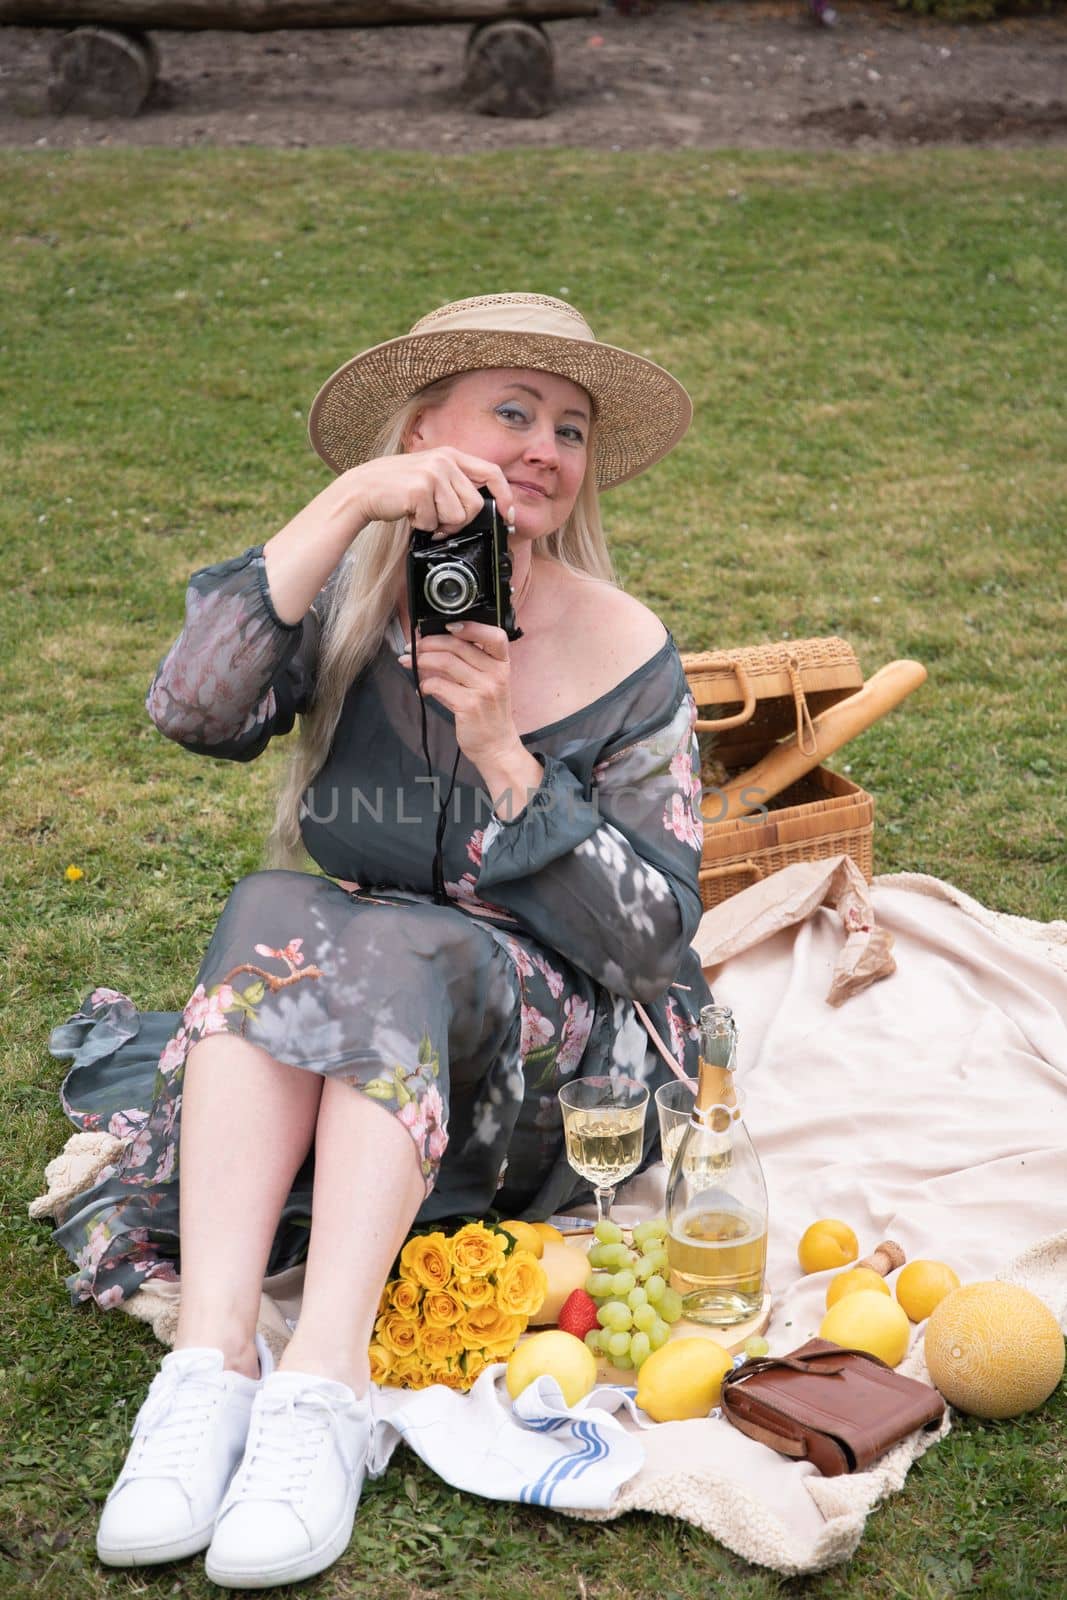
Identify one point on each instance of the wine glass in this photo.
(604, 1126)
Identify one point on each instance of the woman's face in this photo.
(533, 425)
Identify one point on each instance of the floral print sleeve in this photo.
(237, 674)
(606, 873)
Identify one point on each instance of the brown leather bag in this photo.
(839, 1409)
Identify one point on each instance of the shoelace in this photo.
(286, 1442)
(170, 1426)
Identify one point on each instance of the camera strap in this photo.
(440, 893)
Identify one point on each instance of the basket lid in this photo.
(749, 698)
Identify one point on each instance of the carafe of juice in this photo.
(716, 1194)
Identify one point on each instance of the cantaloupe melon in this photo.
(994, 1350)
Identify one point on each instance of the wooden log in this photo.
(509, 70)
(101, 72)
(258, 16)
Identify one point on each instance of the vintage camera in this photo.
(465, 577)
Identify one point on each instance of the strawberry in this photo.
(578, 1314)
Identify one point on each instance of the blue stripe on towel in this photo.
(593, 1449)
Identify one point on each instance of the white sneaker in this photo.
(188, 1438)
(290, 1509)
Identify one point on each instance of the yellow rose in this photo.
(474, 1364)
(398, 1334)
(521, 1284)
(487, 1326)
(474, 1291)
(404, 1297)
(453, 1378)
(477, 1250)
(438, 1346)
(499, 1349)
(426, 1260)
(411, 1373)
(441, 1309)
(380, 1364)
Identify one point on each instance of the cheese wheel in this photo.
(567, 1269)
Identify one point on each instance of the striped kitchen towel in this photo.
(539, 1451)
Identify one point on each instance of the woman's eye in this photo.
(574, 435)
(511, 411)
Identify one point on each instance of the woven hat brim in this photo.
(641, 410)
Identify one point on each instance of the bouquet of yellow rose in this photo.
(458, 1304)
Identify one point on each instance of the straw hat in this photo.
(641, 411)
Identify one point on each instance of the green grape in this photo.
(596, 1256)
(599, 1284)
(670, 1306)
(623, 1281)
(624, 1363)
(616, 1256)
(660, 1257)
(640, 1234)
(618, 1345)
(592, 1340)
(608, 1232)
(603, 1314)
(640, 1348)
(657, 1227)
(755, 1347)
(658, 1334)
(655, 1288)
(636, 1297)
(644, 1317)
(644, 1269)
(619, 1316)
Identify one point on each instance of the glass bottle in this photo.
(716, 1195)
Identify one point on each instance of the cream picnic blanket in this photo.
(929, 1107)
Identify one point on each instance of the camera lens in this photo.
(451, 587)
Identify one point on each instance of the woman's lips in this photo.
(531, 488)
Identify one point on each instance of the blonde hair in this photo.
(363, 601)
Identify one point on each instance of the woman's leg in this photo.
(368, 1187)
(247, 1123)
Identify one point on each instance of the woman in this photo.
(570, 847)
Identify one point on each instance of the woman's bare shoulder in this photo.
(616, 629)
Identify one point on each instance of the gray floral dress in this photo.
(462, 1019)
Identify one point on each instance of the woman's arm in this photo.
(608, 876)
(237, 674)
(432, 488)
(244, 664)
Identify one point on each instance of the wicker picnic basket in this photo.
(749, 699)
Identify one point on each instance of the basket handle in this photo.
(748, 865)
(748, 695)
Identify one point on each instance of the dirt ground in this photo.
(743, 73)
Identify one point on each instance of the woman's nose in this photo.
(544, 446)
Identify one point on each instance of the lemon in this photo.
(922, 1285)
(554, 1355)
(852, 1281)
(682, 1379)
(548, 1233)
(994, 1350)
(827, 1243)
(526, 1237)
(869, 1321)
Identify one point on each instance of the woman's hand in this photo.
(469, 671)
(437, 489)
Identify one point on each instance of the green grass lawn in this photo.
(875, 348)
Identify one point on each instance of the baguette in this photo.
(786, 762)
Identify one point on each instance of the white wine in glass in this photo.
(604, 1127)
